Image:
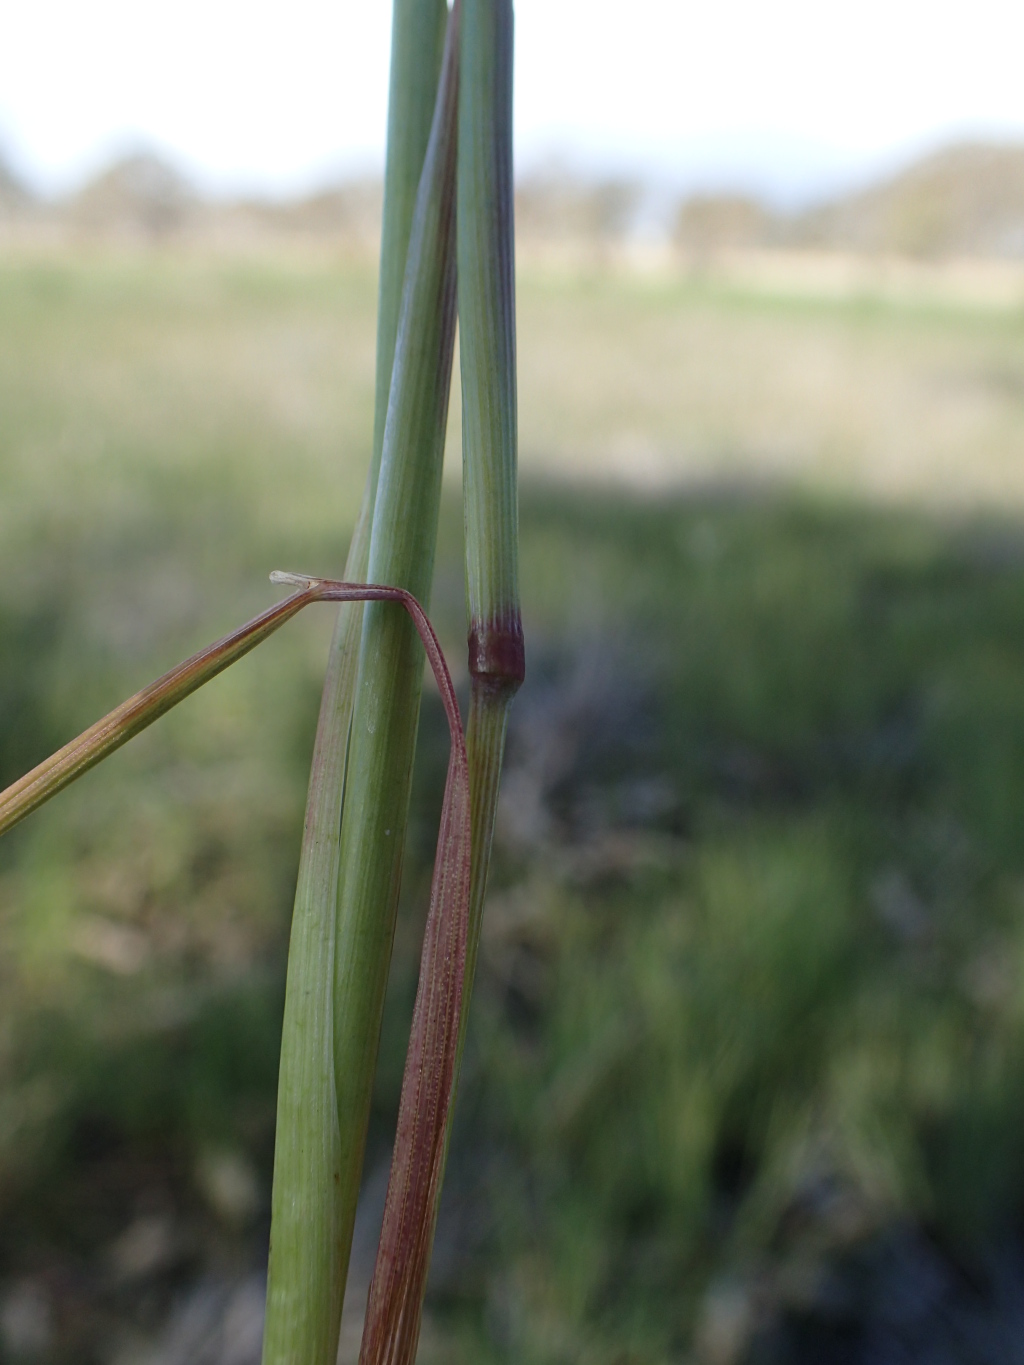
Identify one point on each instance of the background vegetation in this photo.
(744, 1077)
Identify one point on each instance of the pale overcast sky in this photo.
(278, 97)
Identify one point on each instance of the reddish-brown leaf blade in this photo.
(391, 1330)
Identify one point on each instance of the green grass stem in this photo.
(487, 348)
(312, 1208)
(417, 43)
(386, 711)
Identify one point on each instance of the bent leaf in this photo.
(133, 716)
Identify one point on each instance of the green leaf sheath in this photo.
(305, 1274)
(312, 1209)
(386, 712)
(487, 349)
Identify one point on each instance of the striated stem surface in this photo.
(487, 348)
(313, 1209)
(386, 712)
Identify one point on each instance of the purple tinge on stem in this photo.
(496, 650)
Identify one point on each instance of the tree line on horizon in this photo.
(965, 200)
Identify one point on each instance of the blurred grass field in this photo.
(750, 1007)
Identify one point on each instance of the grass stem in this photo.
(386, 710)
(313, 1207)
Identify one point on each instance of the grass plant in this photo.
(349, 880)
(319, 1145)
(386, 706)
(810, 754)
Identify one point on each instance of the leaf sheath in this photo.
(386, 713)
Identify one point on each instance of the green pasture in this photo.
(752, 975)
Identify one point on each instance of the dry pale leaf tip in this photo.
(294, 580)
